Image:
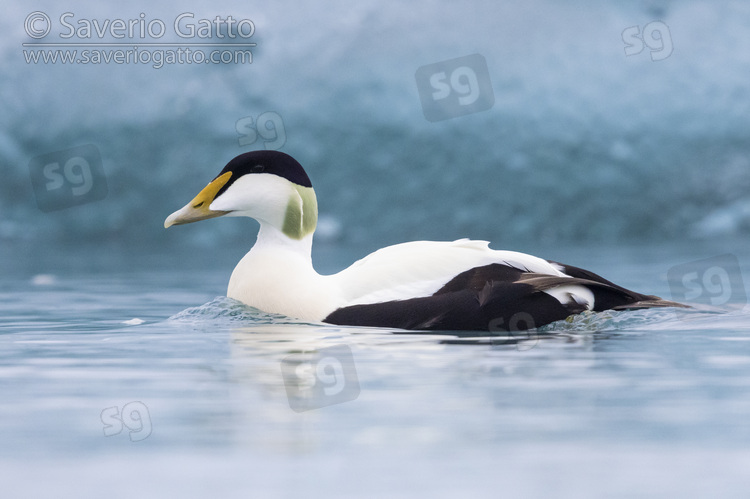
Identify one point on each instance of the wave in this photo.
(227, 310)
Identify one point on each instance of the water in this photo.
(645, 403)
(634, 166)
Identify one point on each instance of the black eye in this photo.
(258, 169)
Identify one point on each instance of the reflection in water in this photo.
(311, 385)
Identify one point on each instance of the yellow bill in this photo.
(198, 208)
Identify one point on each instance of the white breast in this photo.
(283, 283)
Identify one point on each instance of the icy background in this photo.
(583, 143)
(585, 148)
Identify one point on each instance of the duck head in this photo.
(269, 186)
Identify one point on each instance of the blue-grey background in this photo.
(633, 166)
(582, 144)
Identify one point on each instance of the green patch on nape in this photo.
(301, 215)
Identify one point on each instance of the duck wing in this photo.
(605, 301)
(422, 268)
(498, 297)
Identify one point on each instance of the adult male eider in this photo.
(421, 285)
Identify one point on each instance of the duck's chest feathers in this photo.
(278, 282)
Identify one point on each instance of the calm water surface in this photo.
(129, 375)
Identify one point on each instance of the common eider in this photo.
(421, 285)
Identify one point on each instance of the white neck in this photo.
(272, 239)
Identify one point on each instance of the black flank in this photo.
(494, 297)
